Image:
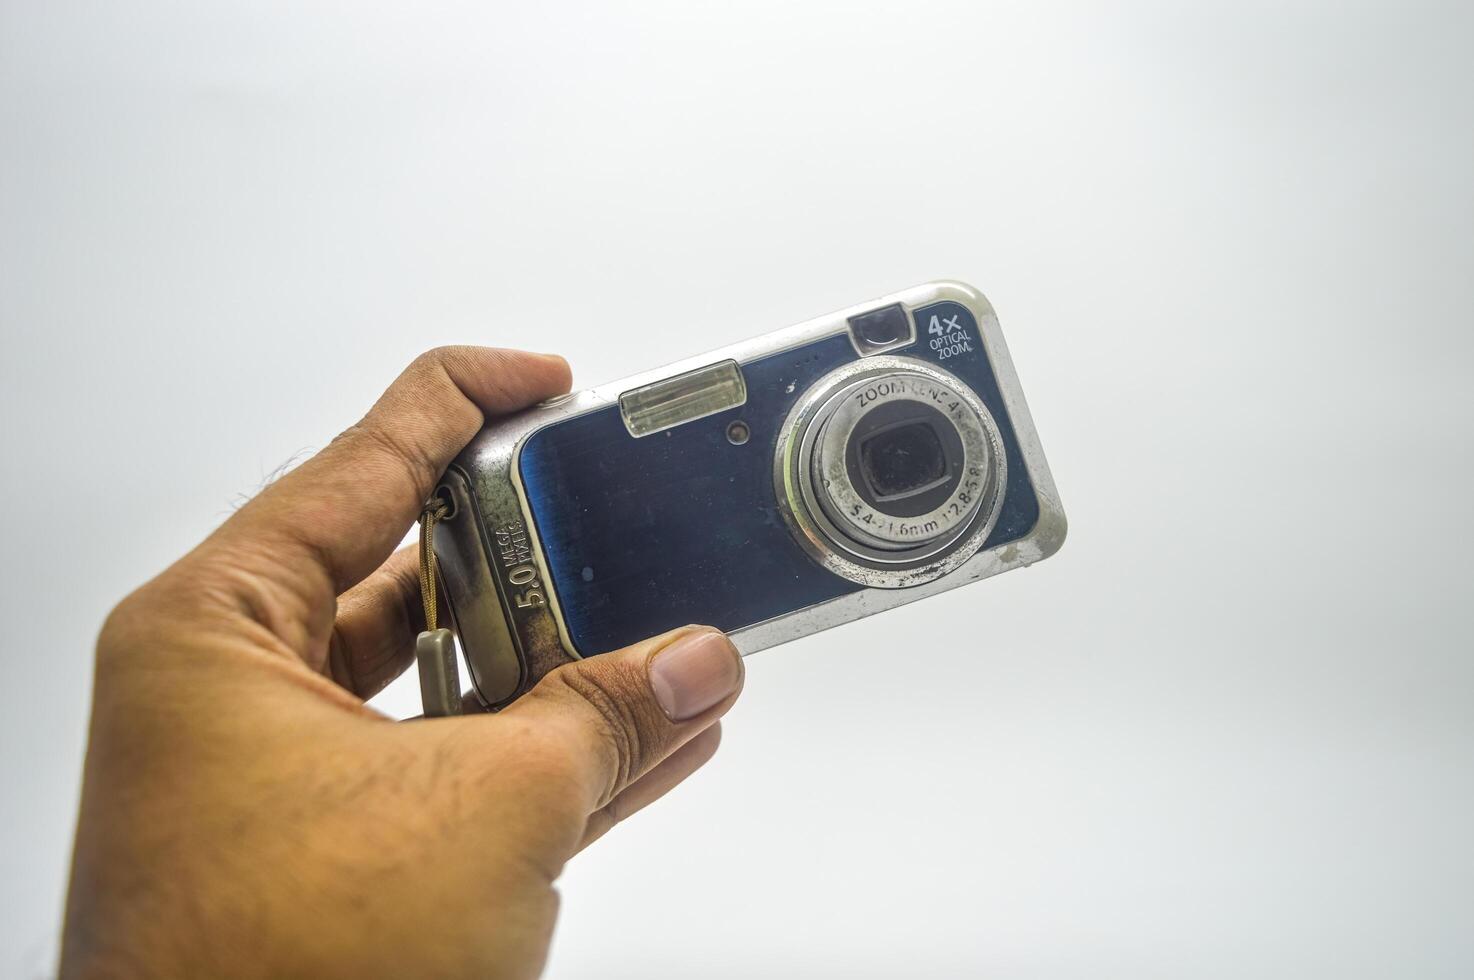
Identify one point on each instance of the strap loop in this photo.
(435, 510)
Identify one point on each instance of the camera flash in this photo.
(684, 398)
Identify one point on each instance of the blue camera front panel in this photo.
(646, 535)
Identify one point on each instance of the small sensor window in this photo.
(902, 460)
(880, 330)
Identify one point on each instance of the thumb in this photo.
(618, 715)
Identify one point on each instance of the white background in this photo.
(1226, 732)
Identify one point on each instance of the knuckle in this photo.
(160, 611)
(122, 624)
(430, 359)
(614, 713)
(432, 365)
(411, 458)
(610, 720)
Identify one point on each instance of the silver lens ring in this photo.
(844, 503)
(833, 519)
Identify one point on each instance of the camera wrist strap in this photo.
(435, 649)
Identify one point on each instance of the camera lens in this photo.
(904, 457)
(890, 465)
(901, 461)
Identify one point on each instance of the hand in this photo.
(245, 813)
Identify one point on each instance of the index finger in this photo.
(335, 518)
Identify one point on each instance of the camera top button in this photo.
(884, 329)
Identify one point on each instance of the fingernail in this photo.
(694, 673)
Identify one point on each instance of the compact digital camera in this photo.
(778, 487)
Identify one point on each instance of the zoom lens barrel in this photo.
(890, 471)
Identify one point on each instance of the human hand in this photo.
(245, 813)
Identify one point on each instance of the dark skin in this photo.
(245, 813)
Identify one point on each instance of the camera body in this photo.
(772, 489)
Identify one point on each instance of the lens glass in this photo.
(902, 459)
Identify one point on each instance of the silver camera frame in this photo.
(495, 577)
